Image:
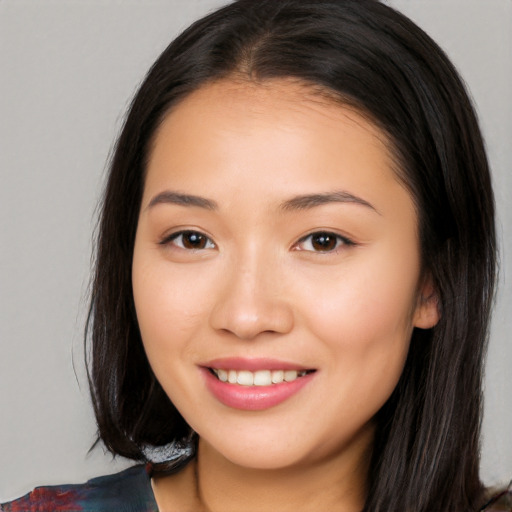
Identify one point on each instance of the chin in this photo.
(259, 452)
(264, 458)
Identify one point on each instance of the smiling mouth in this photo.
(259, 377)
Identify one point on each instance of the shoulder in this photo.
(500, 502)
(127, 491)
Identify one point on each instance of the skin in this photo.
(259, 287)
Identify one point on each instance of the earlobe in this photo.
(427, 312)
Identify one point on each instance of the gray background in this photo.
(68, 69)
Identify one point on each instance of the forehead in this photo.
(277, 136)
(279, 105)
(286, 98)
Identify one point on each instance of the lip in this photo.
(252, 364)
(252, 398)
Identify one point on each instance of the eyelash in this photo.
(172, 239)
(325, 237)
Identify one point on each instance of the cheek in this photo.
(173, 304)
(168, 310)
(370, 302)
(168, 313)
(364, 318)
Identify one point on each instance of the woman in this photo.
(294, 272)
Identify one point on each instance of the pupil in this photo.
(194, 241)
(324, 242)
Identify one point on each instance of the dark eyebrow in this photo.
(307, 201)
(170, 197)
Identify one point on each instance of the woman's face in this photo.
(276, 272)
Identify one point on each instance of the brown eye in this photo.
(190, 240)
(194, 240)
(323, 241)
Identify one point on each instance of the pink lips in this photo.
(252, 398)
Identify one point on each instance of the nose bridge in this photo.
(252, 299)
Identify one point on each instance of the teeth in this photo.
(222, 375)
(258, 378)
(262, 378)
(277, 376)
(290, 375)
(245, 378)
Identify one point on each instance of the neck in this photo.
(336, 484)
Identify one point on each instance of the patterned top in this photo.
(130, 491)
(501, 502)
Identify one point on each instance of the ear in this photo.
(427, 312)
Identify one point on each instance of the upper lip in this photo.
(252, 364)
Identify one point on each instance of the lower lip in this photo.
(253, 398)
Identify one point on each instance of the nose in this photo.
(252, 302)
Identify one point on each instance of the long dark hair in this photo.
(426, 450)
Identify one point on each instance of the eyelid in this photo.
(341, 241)
(171, 237)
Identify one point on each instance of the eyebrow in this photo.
(170, 197)
(302, 202)
(307, 201)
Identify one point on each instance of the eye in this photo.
(189, 240)
(322, 241)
